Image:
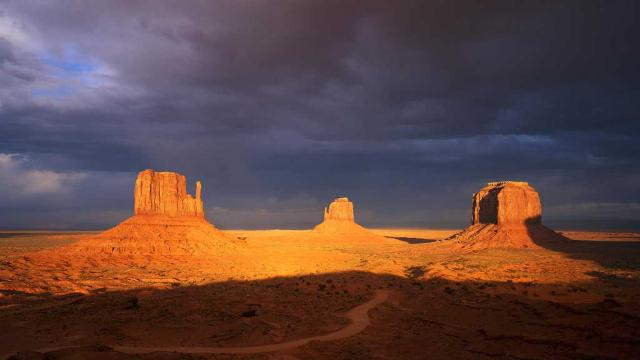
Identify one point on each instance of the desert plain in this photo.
(173, 286)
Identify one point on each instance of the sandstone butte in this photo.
(505, 214)
(166, 193)
(339, 219)
(167, 221)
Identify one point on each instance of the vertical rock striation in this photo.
(165, 193)
(505, 214)
(506, 202)
(339, 209)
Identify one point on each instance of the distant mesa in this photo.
(506, 214)
(339, 219)
(167, 221)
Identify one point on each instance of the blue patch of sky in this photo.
(70, 64)
(73, 69)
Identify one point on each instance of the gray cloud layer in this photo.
(407, 107)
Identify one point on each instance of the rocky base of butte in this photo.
(339, 219)
(167, 221)
(506, 214)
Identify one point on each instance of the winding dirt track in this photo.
(359, 317)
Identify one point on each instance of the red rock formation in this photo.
(339, 219)
(507, 202)
(167, 221)
(505, 214)
(165, 193)
(339, 209)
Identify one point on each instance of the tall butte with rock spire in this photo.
(339, 219)
(167, 221)
(165, 193)
(505, 214)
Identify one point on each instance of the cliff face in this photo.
(507, 203)
(506, 214)
(165, 193)
(339, 209)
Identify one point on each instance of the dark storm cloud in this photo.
(407, 107)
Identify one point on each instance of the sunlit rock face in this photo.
(339, 209)
(505, 214)
(507, 202)
(165, 193)
(339, 219)
(167, 221)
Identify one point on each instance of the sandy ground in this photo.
(577, 300)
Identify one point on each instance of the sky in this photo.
(406, 107)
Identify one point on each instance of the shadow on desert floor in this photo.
(449, 319)
(412, 240)
(614, 255)
(620, 255)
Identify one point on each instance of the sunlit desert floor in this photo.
(577, 300)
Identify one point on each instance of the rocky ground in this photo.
(576, 300)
